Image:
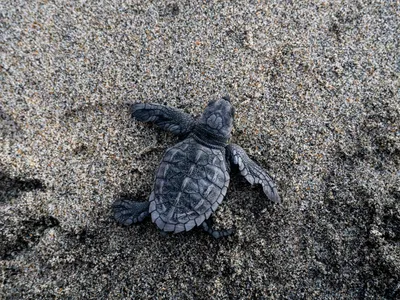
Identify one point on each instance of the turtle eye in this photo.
(211, 102)
(227, 98)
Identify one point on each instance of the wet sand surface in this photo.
(316, 91)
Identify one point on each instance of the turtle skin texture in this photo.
(190, 183)
(193, 176)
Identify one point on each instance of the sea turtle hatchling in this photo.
(193, 176)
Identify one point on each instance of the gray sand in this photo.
(316, 91)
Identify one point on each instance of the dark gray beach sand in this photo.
(316, 90)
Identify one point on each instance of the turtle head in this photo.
(217, 118)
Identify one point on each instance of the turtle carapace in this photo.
(193, 176)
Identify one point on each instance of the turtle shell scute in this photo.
(190, 183)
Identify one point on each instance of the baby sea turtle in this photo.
(193, 175)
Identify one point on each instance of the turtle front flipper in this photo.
(252, 172)
(127, 212)
(207, 227)
(167, 118)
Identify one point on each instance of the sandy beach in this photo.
(315, 85)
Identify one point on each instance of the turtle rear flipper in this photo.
(207, 227)
(127, 212)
